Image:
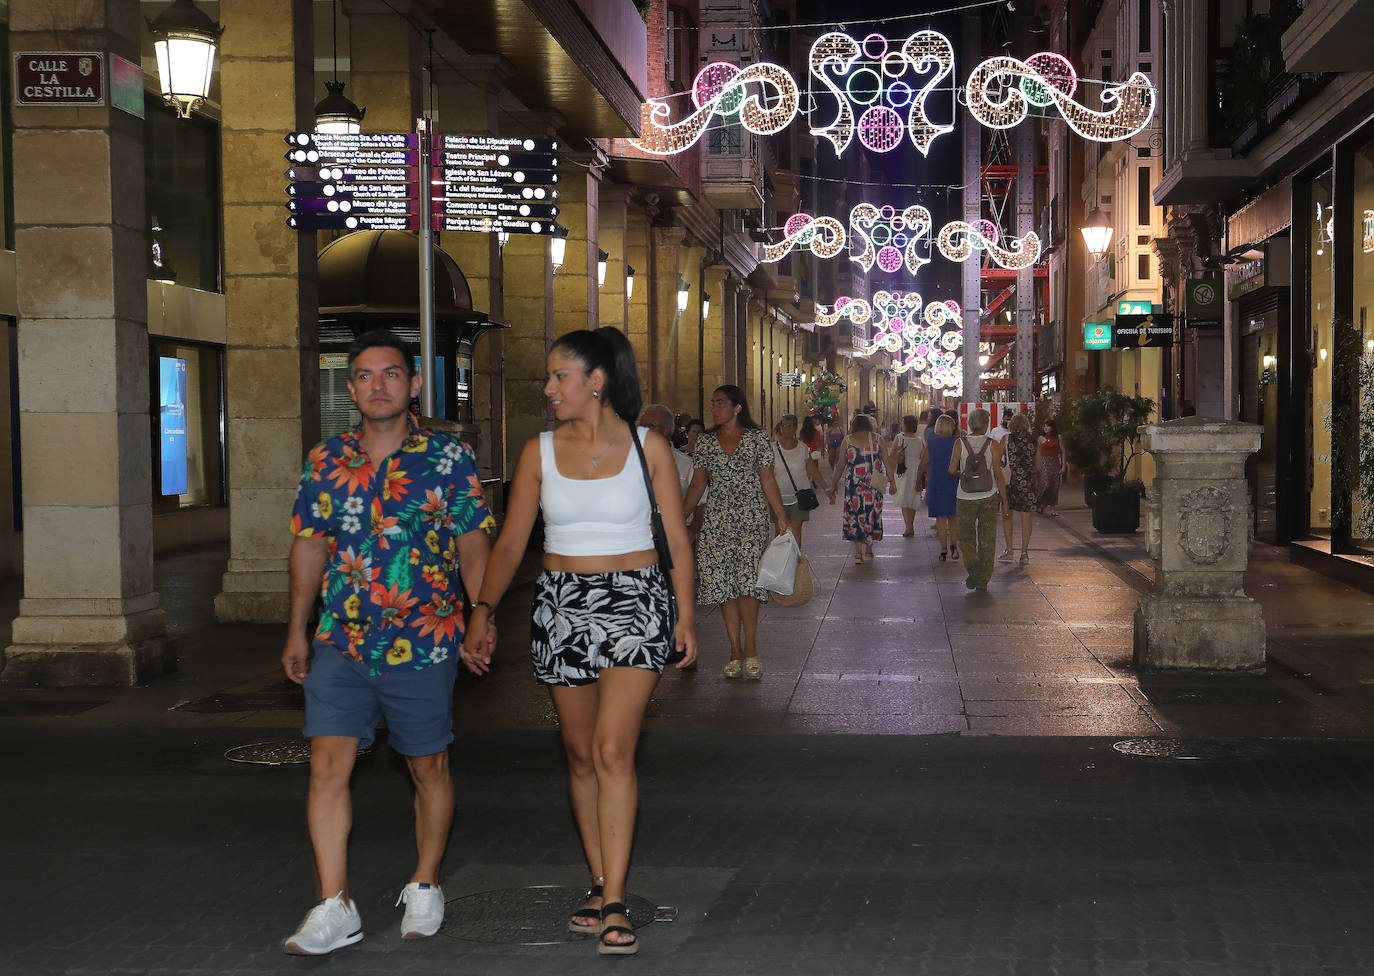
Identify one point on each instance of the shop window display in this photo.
(1362, 528)
(1320, 258)
(188, 460)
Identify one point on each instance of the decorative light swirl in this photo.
(927, 51)
(995, 95)
(838, 51)
(721, 95)
(939, 314)
(823, 235)
(856, 309)
(959, 239)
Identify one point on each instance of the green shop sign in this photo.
(1203, 300)
(1097, 335)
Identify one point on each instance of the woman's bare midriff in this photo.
(619, 563)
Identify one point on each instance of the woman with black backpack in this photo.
(977, 461)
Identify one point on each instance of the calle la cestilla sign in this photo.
(59, 78)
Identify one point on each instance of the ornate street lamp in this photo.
(185, 39)
(601, 258)
(629, 281)
(1097, 234)
(706, 307)
(336, 112)
(684, 291)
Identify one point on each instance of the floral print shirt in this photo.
(392, 595)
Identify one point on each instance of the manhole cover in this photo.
(527, 916)
(1163, 748)
(278, 752)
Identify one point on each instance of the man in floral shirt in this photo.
(389, 531)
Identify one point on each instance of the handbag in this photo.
(665, 554)
(803, 586)
(899, 456)
(806, 497)
(879, 476)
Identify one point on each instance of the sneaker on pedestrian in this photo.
(424, 910)
(332, 924)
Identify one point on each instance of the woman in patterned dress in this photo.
(863, 504)
(1051, 466)
(1020, 448)
(735, 458)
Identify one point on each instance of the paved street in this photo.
(923, 782)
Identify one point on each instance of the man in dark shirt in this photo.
(389, 530)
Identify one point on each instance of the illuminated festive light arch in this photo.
(958, 240)
(717, 91)
(881, 236)
(871, 73)
(823, 235)
(857, 310)
(937, 314)
(996, 95)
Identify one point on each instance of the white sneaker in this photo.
(332, 924)
(424, 910)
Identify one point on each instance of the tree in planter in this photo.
(1102, 432)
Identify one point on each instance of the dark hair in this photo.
(808, 427)
(608, 350)
(736, 397)
(909, 423)
(1054, 428)
(382, 339)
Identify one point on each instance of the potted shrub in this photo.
(1101, 438)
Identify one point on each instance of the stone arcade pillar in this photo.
(1197, 617)
(89, 614)
(270, 303)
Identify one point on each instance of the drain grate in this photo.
(277, 752)
(1167, 748)
(531, 916)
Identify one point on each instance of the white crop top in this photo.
(594, 516)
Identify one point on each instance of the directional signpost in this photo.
(495, 183)
(363, 181)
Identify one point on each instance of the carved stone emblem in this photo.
(1204, 524)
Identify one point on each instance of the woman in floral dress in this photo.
(735, 458)
(863, 504)
(1020, 450)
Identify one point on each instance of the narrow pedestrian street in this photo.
(780, 835)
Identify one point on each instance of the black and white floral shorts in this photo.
(584, 622)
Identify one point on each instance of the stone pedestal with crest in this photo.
(1197, 616)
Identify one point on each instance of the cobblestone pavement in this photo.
(788, 839)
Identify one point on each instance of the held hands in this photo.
(479, 643)
(295, 657)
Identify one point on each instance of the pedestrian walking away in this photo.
(982, 492)
(941, 485)
(907, 463)
(1051, 466)
(863, 503)
(734, 459)
(389, 527)
(800, 472)
(603, 625)
(833, 440)
(1020, 454)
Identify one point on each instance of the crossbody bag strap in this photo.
(783, 457)
(655, 519)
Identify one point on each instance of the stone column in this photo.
(638, 304)
(713, 368)
(270, 302)
(89, 614)
(576, 303)
(689, 325)
(666, 246)
(1197, 616)
(612, 209)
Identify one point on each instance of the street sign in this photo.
(1137, 308)
(498, 208)
(496, 144)
(490, 225)
(59, 78)
(789, 379)
(1141, 331)
(335, 174)
(338, 221)
(1097, 335)
(1203, 302)
(334, 142)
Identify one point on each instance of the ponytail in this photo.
(608, 350)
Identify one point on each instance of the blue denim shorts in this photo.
(341, 698)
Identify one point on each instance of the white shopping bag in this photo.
(778, 568)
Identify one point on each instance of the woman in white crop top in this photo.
(603, 625)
